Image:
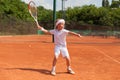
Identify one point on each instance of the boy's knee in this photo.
(55, 57)
(67, 57)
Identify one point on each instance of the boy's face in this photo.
(60, 26)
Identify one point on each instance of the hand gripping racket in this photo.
(33, 10)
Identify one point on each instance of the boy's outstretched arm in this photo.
(42, 29)
(76, 34)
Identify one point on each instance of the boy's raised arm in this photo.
(42, 29)
(76, 34)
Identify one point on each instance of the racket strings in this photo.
(33, 9)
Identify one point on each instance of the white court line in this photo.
(108, 56)
(6, 36)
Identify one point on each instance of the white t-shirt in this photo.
(59, 36)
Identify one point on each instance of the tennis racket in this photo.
(33, 10)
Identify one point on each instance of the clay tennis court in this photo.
(30, 58)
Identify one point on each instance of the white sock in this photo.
(53, 68)
(69, 68)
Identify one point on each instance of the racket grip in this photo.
(37, 22)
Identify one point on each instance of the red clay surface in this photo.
(30, 58)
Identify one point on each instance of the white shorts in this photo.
(61, 49)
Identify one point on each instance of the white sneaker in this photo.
(70, 71)
(53, 73)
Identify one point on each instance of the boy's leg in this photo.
(68, 63)
(56, 55)
(54, 61)
(54, 66)
(65, 54)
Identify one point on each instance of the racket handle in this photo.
(39, 27)
(37, 22)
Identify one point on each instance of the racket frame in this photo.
(34, 17)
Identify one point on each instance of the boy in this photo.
(60, 43)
